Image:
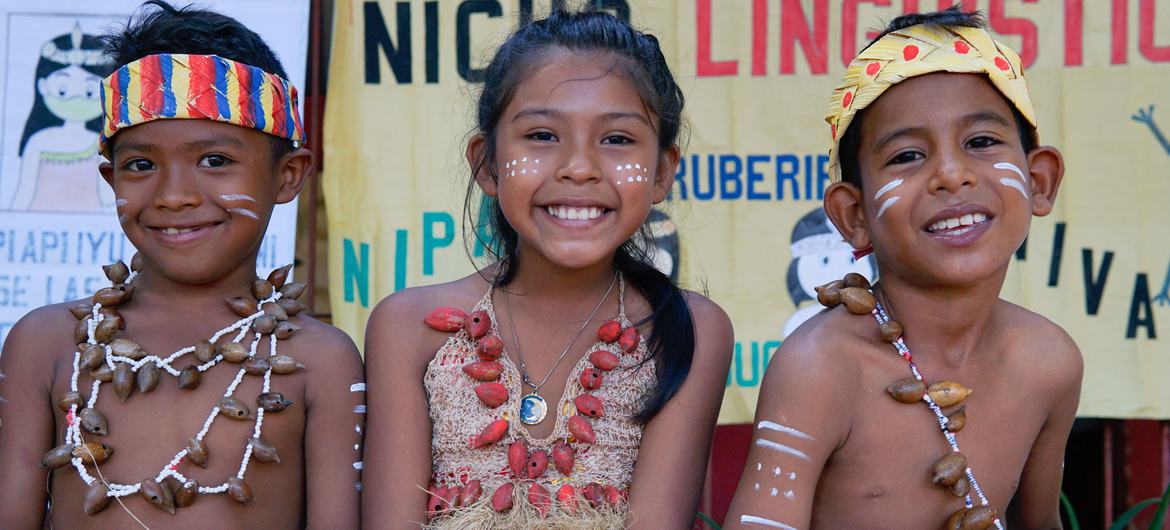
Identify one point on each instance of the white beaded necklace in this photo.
(73, 434)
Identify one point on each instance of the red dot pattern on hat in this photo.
(872, 68)
(833, 130)
(910, 52)
(1002, 64)
(845, 101)
(961, 47)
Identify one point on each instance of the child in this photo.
(260, 410)
(940, 174)
(571, 373)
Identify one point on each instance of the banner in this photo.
(57, 221)
(745, 214)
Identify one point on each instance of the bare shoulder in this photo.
(322, 344)
(827, 350)
(1040, 345)
(711, 321)
(38, 338)
(399, 317)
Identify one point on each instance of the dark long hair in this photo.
(40, 117)
(672, 341)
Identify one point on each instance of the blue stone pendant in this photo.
(532, 409)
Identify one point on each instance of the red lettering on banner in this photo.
(1026, 29)
(759, 37)
(704, 66)
(849, 27)
(1119, 52)
(1074, 32)
(1151, 51)
(794, 27)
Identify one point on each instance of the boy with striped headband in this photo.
(154, 402)
(924, 401)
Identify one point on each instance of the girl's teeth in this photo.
(955, 222)
(573, 214)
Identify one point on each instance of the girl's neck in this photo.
(946, 324)
(543, 281)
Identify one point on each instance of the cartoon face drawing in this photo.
(819, 256)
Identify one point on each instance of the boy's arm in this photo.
(800, 420)
(1038, 499)
(334, 408)
(26, 419)
(398, 441)
(672, 458)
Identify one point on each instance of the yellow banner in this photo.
(744, 220)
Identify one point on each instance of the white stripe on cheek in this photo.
(244, 212)
(237, 197)
(886, 189)
(1011, 182)
(121, 202)
(886, 205)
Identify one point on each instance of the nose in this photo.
(952, 172)
(582, 166)
(176, 190)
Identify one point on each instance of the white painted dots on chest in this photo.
(521, 166)
(631, 173)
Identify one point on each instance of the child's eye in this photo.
(905, 157)
(542, 136)
(982, 142)
(214, 161)
(617, 139)
(138, 164)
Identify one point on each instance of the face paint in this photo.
(763, 521)
(1011, 182)
(631, 173)
(237, 197)
(357, 447)
(774, 492)
(244, 212)
(121, 202)
(789, 495)
(886, 189)
(776, 471)
(759, 466)
(520, 167)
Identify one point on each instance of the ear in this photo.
(1046, 169)
(843, 207)
(664, 177)
(477, 160)
(293, 170)
(107, 171)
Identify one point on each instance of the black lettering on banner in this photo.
(525, 12)
(1139, 304)
(618, 8)
(1022, 252)
(377, 36)
(463, 35)
(1057, 253)
(431, 18)
(1095, 288)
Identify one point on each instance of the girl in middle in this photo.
(569, 384)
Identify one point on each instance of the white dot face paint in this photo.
(776, 471)
(628, 173)
(790, 495)
(521, 167)
(884, 190)
(792, 476)
(775, 492)
(1018, 185)
(759, 466)
(757, 486)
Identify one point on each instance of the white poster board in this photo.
(57, 221)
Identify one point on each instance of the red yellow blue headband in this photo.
(209, 87)
(919, 50)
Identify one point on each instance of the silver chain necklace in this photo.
(534, 408)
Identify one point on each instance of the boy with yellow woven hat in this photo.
(155, 403)
(924, 401)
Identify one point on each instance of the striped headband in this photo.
(918, 50)
(180, 86)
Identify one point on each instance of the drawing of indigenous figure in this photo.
(1146, 116)
(819, 256)
(58, 149)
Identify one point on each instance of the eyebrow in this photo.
(556, 114)
(965, 121)
(196, 145)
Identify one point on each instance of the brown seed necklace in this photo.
(951, 471)
(126, 366)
